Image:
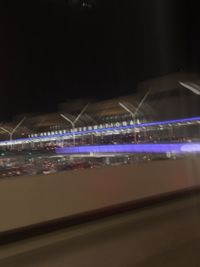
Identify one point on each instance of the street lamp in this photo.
(73, 123)
(10, 133)
(195, 88)
(134, 114)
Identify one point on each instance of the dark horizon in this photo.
(56, 50)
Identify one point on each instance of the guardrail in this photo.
(43, 228)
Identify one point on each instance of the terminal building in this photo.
(162, 109)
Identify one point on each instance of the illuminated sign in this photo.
(99, 129)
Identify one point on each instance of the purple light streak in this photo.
(176, 148)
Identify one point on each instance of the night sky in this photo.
(53, 50)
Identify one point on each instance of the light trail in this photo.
(176, 148)
(53, 137)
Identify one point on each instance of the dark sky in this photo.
(52, 50)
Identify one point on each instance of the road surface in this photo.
(166, 234)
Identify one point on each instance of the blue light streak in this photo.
(176, 148)
(115, 128)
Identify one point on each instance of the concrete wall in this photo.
(30, 200)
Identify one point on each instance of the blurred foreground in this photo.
(162, 235)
